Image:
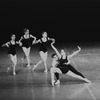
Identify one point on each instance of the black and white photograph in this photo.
(49, 50)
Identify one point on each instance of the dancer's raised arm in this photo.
(74, 53)
(57, 52)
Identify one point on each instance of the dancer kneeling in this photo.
(61, 65)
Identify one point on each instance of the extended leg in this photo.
(77, 76)
(35, 66)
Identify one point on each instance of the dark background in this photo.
(68, 21)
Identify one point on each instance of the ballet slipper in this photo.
(52, 82)
(34, 67)
(88, 81)
(14, 73)
(8, 68)
(45, 70)
(28, 65)
(22, 60)
(57, 82)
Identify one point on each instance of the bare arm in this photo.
(6, 44)
(21, 39)
(18, 42)
(36, 41)
(52, 39)
(57, 52)
(74, 53)
(33, 37)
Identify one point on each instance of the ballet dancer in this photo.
(12, 52)
(61, 65)
(26, 43)
(43, 50)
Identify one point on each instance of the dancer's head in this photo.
(44, 34)
(26, 31)
(63, 53)
(13, 37)
(54, 56)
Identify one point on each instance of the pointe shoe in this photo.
(88, 81)
(45, 70)
(8, 69)
(34, 67)
(28, 65)
(14, 73)
(52, 82)
(57, 82)
(22, 60)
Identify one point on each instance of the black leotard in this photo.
(43, 46)
(65, 68)
(62, 66)
(26, 42)
(63, 61)
(12, 49)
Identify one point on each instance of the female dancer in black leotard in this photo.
(12, 52)
(26, 44)
(61, 65)
(43, 50)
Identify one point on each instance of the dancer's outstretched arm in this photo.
(74, 53)
(54, 48)
(6, 44)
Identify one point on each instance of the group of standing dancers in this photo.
(60, 61)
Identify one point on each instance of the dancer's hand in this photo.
(6, 44)
(3, 45)
(34, 42)
(79, 47)
(20, 44)
(53, 41)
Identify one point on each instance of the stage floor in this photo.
(36, 85)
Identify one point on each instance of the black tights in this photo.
(72, 69)
(57, 76)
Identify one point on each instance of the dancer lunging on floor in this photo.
(61, 65)
(26, 45)
(43, 50)
(12, 52)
